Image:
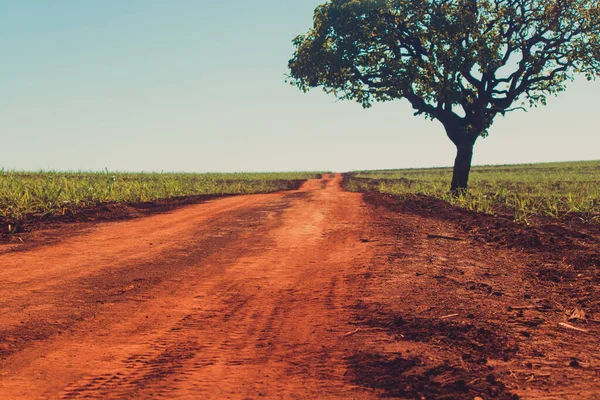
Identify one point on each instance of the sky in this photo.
(198, 86)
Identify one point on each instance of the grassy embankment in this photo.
(556, 190)
(46, 193)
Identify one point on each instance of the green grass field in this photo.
(43, 193)
(550, 189)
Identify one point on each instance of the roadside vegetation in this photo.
(556, 190)
(47, 193)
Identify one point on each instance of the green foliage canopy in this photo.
(459, 61)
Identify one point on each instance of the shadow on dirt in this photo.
(404, 376)
(410, 378)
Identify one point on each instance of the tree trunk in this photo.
(462, 167)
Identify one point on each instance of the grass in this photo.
(556, 190)
(51, 192)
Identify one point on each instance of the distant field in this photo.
(47, 193)
(555, 190)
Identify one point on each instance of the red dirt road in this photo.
(239, 297)
(313, 293)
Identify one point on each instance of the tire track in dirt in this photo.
(53, 309)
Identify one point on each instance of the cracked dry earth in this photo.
(314, 293)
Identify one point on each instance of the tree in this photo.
(461, 62)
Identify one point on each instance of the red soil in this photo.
(312, 293)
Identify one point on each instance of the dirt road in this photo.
(313, 293)
(239, 297)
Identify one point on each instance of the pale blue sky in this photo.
(196, 85)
